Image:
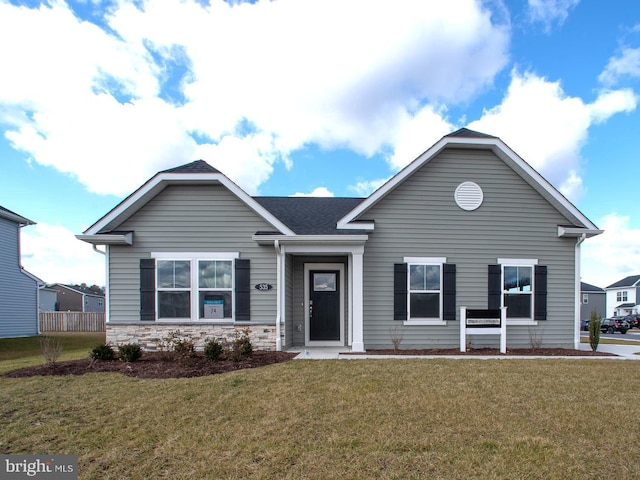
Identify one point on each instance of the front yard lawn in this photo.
(335, 419)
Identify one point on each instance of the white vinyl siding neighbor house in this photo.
(467, 224)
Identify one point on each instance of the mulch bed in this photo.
(156, 365)
(160, 365)
(542, 352)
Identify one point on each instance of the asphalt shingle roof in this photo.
(626, 282)
(586, 287)
(465, 132)
(199, 166)
(310, 215)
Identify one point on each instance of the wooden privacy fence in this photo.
(72, 321)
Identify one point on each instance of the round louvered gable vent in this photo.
(469, 196)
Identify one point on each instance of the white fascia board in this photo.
(565, 232)
(108, 239)
(393, 182)
(498, 147)
(14, 217)
(151, 188)
(310, 239)
(255, 206)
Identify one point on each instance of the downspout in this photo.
(576, 335)
(106, 280)
(279, 286)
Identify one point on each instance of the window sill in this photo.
(521, 321)
(190, 321)
(425, 322)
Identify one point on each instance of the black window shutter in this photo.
(540, 294)
(449, 291)
(494, 300)
(147, 289)
(400, 291)
(243, 290)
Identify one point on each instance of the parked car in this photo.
(612, 325)
(634, 321)
(584, 325)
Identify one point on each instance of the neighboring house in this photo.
(72, 298)
(623, 296)
(48, 299)
(592, 298)
(18, 288)
(467, 223)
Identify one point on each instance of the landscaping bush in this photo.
(129, 352)
(184, 348)
(103, 352)
(241, 346)
(51, 348)
(594, 330)
(213, 349)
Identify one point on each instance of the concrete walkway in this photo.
(622, 352)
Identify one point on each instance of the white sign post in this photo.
(483, 322)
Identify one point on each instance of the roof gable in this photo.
(469, 139)
(630, 281)
(199, 173)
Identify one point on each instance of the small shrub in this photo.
(241, 346)
(51, 348)
(129, 352)
(594, 330)
(213, 349)
(396, 337)
(184, 348)
(102, 352)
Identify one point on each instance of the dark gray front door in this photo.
(324, 305)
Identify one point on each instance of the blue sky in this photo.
(310, 97)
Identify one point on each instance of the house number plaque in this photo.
(263, 287)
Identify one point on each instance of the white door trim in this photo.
(323, 266)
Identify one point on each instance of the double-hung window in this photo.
(518, 287)
(425, 288)
(174, 288)
(195, 286)
(621, 296)
(215, 288)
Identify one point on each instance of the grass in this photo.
(334, 419)
(612, 341)
(26, 351)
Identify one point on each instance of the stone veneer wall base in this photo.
(150, 335)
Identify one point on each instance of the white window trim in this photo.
(424, 261)
(519, 262)
(194, 290)
(585, 299)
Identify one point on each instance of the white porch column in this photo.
(357, 294)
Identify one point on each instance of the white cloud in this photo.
(317, 192)
(365, 188)
(91, 103)
(613, 255)
(416, 133)
(53, 254)
(555, 127)
(549, 12)
(627, 64)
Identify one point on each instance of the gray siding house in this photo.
(467, 224)
(74, 298)
(592, 298)
(18, 288)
